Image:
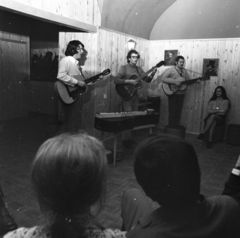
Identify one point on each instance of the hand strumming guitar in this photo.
(131, 81)
(81, 83)
(178, 81)
(80, 79)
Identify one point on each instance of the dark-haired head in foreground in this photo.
(167, 169)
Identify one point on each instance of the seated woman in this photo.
(217, 109)
(69, 176)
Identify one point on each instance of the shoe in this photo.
(209, 144)
(127, 144)
(7, 223)
(200, 136)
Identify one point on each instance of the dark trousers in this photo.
(129, 106)
(175, 104)
(72, 117)
(135, 205)
(1, 198)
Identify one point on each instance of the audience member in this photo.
(69, 176)
(7, 222)
(218, 107)
(167, 169)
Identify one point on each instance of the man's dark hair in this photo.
(130, 54)
(72, 47)
(178, 58)
(167, 169)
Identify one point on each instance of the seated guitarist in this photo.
(123, 77)
(69, 67)
(175, 75)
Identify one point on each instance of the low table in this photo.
(117, 125)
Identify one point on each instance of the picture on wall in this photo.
(170, 56)
(210, 67)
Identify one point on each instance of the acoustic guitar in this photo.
(126, 91)
(69, 94)
(170, 89)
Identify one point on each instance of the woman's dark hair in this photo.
(167, 169)
(224, 94)
(130, 54)
(72, 47)
(69, 176)
(178, 58)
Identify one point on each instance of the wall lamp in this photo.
(131, 44)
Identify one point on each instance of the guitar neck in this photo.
(146, 73)
(187, 82)
(92, 78)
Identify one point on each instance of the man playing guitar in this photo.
(122, 77)
(69, 73)
(175, 76)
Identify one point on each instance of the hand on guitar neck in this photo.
(135, 81)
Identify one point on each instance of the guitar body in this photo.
(126, 91)
(170, 89)
(68, 94)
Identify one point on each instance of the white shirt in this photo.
(68, 67)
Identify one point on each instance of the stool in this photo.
(218, 134)
(178, 131)
(233, 134)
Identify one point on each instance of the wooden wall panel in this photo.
(84, 11)
(198, 95)
(14, 77)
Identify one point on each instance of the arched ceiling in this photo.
(134, 17)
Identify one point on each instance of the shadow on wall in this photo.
(44, 65)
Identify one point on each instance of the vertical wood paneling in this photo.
(14, 78)
(87, 11)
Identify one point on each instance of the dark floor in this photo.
(20, 139)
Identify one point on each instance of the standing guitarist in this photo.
(69, 72)
(175, 75)
(122, 77)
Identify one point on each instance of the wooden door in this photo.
(14, 76)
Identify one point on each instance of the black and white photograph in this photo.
(170, 56)
(210, 67)
(119, 118)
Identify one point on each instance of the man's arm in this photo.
(63, 74)
(166, 78)
(149, 78)
(120, 77)
(232, 186)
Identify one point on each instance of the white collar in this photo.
(73, 60)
